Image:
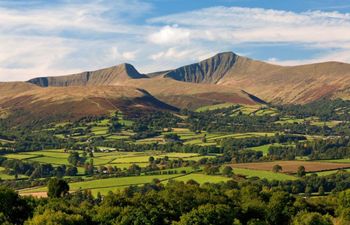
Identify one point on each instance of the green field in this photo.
(197, 158)
(127, 165)
(109, 184)
(266, 112)
(19, 156)
(326, 173)
(312, 120)
(114, 158)
(51, 160)
(265, 148)
(123, 121)
(104, 122)
(4, 176)
(212, 138)
(112, 184)
(257, 110)
(331, 124)
(145, 158)
(337, 160)
(117, 137)
(214, 107)
(202, 178)
(3, 141)
(99, 130)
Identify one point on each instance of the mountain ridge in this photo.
(104, 76)
(272, 83)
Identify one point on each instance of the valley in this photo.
(114, 151)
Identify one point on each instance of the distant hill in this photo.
(272, 83)
(105, 76)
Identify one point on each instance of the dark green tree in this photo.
(301, 171)
(13, 209)
(313, 218)
(57, 188)
(227, 171)
(277, 168)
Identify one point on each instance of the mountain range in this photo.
(223, 78)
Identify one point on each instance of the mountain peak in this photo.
(131, 71)
(225, 54)
(107, 76)
(210, 70)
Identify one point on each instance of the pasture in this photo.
(214, 138)
(337, 160)
(113, 184)
(214, 107)
(4, 176)
(326, 173)
(122, 160)
(265, 148)
(202, 178)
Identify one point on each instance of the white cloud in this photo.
(242, 25)
(170, 35)
(88, 17)
(171, 53)
(69, 37)
(129, 55)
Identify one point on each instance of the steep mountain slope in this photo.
(69, 103)
(99, 77)
(273, 83)
(207, 71)
(291, 84)
(191, 95)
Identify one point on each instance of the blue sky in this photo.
(40, 38)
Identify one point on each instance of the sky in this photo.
(57, 37)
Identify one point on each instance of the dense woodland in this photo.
(176, 203)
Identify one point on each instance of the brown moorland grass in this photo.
(292, 166)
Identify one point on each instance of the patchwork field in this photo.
(202, 178)
(113, 184)
(213, 138)
(265, 148)
(256, 110)
(214, 107)
(4, 176)
(326, 173)
(122, 160)
(292, 166)
(312, 120)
